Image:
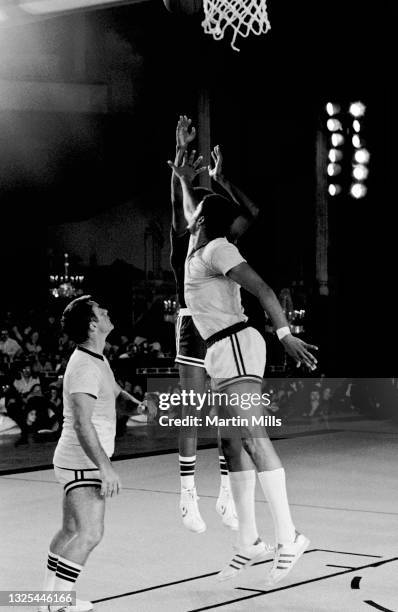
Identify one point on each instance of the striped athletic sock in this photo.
(224, 472)
(187, 471)
(66, 575)
(49, 576)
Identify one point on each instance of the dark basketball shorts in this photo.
(190, 347)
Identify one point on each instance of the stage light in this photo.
(356, 125)
(337, 140)
(360, 172)
(334, 169)
(358, 190)
(335, 155)
(362, 156)
(332, 109)
(334, 189)
(334, 125)
(356, 141)
(357, 109)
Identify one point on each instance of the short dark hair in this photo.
(219, 213)
(77, 317)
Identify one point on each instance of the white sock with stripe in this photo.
(243, 485)
(273, 483)
(49, 576)
(224, 472)
(66, 575)
(187, 471)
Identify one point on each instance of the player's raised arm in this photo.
(187, 171)
(248, 209)
(185, 134)
(247, 278)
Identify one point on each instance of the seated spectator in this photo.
(25, 382)
(32, 345)
(45, 417)
(8, 346)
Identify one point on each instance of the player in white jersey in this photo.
(82, 456)
(235, 359)
(191, 348)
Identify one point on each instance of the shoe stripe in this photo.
(280, 567)
(286, 555)
(234, 566)
(242, 557)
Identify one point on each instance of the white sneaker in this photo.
(243, 558)
(225, 507)
(190, 511)
(80, 606)
(286, 557)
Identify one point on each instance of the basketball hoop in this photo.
(243, 16)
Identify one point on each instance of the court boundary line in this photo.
(201, 576)
(170, 451)
(290, 586)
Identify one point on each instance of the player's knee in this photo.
(92, 536)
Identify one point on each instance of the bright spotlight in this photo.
(334, 125)
(337, 140)
(362, 156)
(332, 109)
(356, 141)
(358, 190)
(334, 189)
(360, 172)
(356, 125)
(335, 155)
(357, 109)
(334, 169)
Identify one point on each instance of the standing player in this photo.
(191, 349)
(235, 359)
(82, 457)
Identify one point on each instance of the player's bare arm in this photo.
(187, 171)
(249, 210)
(185, 134)
(247, 278)
(82, 408)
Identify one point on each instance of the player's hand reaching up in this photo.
(216, 172)
(300, 351)
(184, 136)
(189, 168)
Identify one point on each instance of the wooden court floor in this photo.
(343, 491)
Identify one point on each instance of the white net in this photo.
(243, 16)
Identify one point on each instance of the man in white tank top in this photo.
(82, 456)
(235, 360)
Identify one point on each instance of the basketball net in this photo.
(243, 16)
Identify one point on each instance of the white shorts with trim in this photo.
(73, 479)
(238, 357)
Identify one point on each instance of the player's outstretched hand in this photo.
(184, 135)
(111, 484)
(189, 168)
(300, 351)
(216, 172)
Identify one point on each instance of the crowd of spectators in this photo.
(33, 357)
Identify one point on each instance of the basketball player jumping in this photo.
(191, 348)
(82, 457)
(235, 360)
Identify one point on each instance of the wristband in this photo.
(282, 332)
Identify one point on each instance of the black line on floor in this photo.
(340, 552)
(291, 586)
(377, 606)
(340, 566)
(355, 582)
(168, 451)
(154, 588)
(252, 590)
